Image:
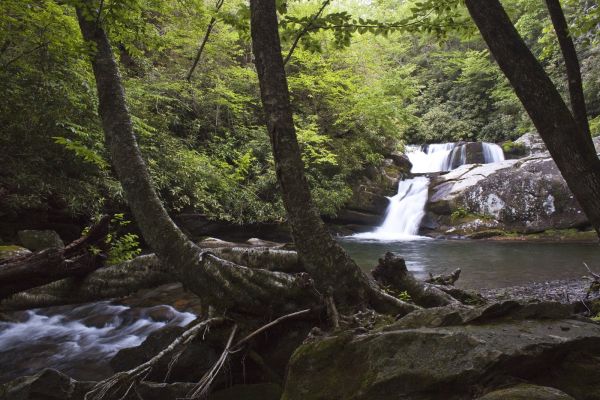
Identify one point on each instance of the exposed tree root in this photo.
(123, 382)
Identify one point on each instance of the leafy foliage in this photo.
(364, 80)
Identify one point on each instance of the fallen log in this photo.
(50, 265)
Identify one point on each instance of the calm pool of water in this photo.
(484, 264)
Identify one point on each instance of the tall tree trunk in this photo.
(574, 155)
(222, 283)
(324, 259)
(573, 68)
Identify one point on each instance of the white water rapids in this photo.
(407, 208)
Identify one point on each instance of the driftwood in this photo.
(25, 272)
(446, 280)
(392, 272)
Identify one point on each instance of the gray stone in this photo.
(526, 195)
(432, 363)
(532, 142)
(40, 240)
(527, 392)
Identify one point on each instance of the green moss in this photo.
(510, 147)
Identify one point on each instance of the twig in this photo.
(332, 311)
(591, 272)
(304, 30)
(109, 388)
(269, 325)
(203, 385)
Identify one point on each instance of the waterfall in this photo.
(407, 208)
(492, 153)
(404, 213)
(430, 158)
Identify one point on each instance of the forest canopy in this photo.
(358, 93)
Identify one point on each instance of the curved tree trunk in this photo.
(324, 259)
(221, 283)
(573, 153)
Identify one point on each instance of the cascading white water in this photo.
(407, 208)
(404, 214)
(492, 153)
(79, 340)
(429, 158)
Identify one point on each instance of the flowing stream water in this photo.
(78, 340)
(407, 208)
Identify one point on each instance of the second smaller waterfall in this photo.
(404, 214)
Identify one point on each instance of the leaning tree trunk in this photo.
(220, 282)
(324, 259)
(573, 153)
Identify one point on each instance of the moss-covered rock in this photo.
(447, 362)
(11, 251)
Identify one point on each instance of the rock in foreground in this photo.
(450, 362)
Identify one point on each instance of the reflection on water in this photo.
(484, 264)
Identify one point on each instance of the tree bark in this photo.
(324, 259)
(46, 266)
(221, 283)
(574, 155)
(573, 68)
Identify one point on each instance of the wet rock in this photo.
(48, 384)
(527, 392)
(447, 362)
(369, 194)
(40, 240)
(11, 251)
(401, 161)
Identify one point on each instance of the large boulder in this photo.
(526, 195)
(449, 362)
(40, 240)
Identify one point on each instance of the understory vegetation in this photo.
(357, 98)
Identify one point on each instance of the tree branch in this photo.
(573, 68)
(209, 29)
(305, 30)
